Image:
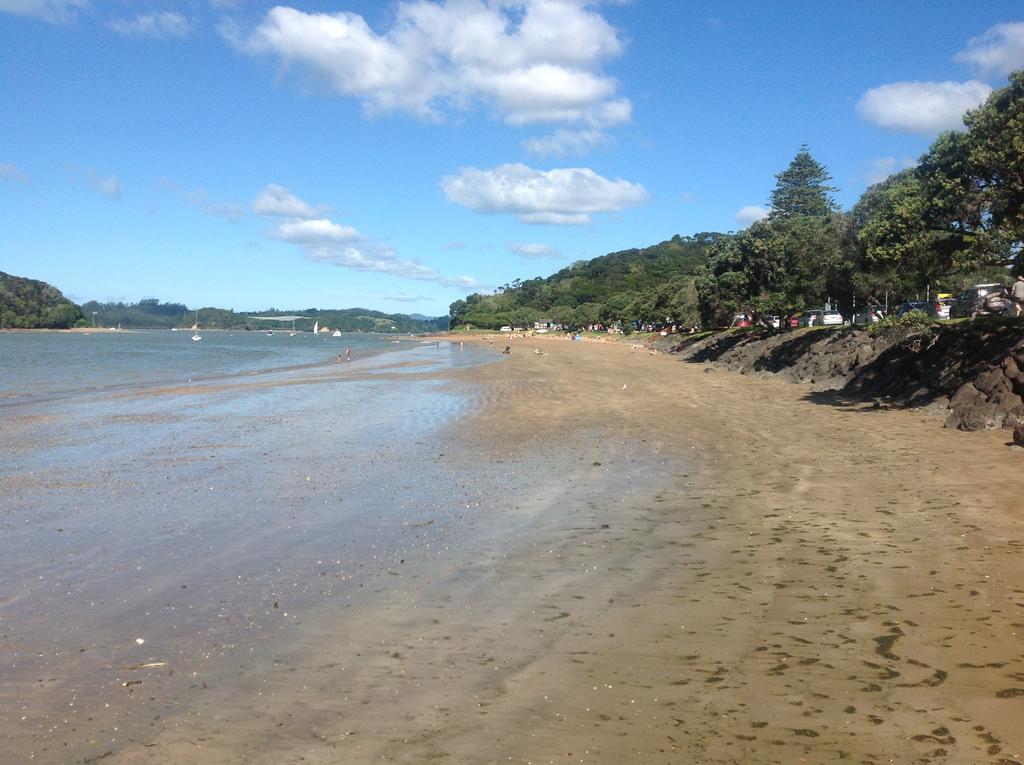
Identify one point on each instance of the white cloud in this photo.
(534, 251)
(110, 186)
(368, 256)
(877, 170)
(563, 143)
(530, 60)
(402, 297)
(278, 201)
(54, 11)
(9, 172)
(750, 214)
(997, 52)
(561, 196)
(921, 107)
(164, 25)
(324, 241)
(318, 231)
(200, 199)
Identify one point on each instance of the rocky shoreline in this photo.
(974, 371)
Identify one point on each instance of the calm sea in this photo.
(40, 364)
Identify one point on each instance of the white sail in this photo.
(316, 326)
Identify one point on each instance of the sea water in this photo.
(43, 363)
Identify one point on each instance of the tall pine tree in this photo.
(802, 189)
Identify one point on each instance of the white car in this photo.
(868, 314)
(831, 317)
(819, 317)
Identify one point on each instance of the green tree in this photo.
(802, 189)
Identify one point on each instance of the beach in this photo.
(583, 554)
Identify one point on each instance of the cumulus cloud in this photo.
(164, 25)
(997, 52)
(562, 196)
(54, 11)
(534, 251)
(921, 107)
(200, 199)
(529, 60)
(318, 231)
(751, 214)
(277, 201)
(563, 143)
(9, 172)
(877, 170)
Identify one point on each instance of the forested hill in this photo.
(646, 284)
(31, 304)
(150, 313)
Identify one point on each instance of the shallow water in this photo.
(179, 561)
(38, 363)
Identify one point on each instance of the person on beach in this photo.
(1017, 295)
(508, 349)
(348, 354)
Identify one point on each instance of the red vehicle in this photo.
(740, 320)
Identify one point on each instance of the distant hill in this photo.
(645, 285)
(32, 304)
(150, 313)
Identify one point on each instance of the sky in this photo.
(401, 155)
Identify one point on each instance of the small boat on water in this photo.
(196, 337)
(336, 333)
(316, 326)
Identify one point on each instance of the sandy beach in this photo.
(647, 561)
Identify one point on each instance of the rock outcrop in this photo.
(976, 369)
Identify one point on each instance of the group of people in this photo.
(1017, 296)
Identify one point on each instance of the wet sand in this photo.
(607, 557)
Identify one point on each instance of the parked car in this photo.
(868, 314)
(911, 305)
(811, 319)
(793, 320)
(772, 322)
(980, 300)
(740, 320)
(939, 308)
(831, 317)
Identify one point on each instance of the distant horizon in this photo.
(408, 153)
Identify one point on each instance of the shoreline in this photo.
(645, 561)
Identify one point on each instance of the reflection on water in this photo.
(151, 538)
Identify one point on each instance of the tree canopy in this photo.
(646, 285)
(802, 189)
(955, 218)
(31, 304)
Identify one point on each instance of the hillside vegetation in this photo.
(152, 314)
(31, 304)
(644, 285)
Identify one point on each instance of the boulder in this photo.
(1018, 433)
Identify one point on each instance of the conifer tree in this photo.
(802, 189)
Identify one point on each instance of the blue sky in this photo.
(399, 155)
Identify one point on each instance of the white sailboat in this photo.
(196, 337)
(316, 326)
